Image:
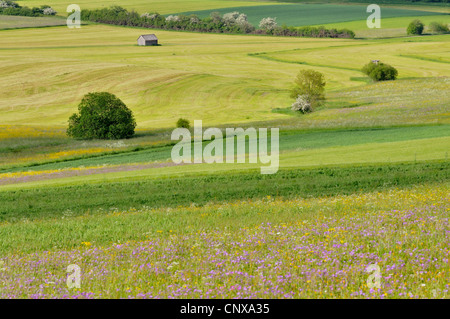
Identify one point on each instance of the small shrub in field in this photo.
(380, 71)
(384, 72)
(183, 123)
(101, 116)
(415, 27)
(302, 104)
(436, 27)
(311, 85)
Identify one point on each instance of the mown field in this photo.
(15, 22)
(364, 179)
(218, 78)
(142, 6)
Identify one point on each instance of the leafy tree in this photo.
(101, 116)
(380, 71)
(415, 27)
(384, 72)
(183, 123)
(311, 85)
(436, 27)
(268, 24)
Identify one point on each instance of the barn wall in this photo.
(141, 41)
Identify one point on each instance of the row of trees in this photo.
(233, 22)
(416, 27)
(12, 8)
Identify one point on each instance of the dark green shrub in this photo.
(384, 72)
(380, 71)
(369, 67)
(415, 27)
(183, 123)
(436, 27)
(101, 116)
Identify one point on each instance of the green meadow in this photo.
(312, 14)
(366, 171)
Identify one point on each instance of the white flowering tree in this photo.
(230, 18)
(49, 11)
(8, 4)
(194, 20)
(268, 24)
(302, 104)
(238, 19)
(173, 18)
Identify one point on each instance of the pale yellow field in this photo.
(45, 72)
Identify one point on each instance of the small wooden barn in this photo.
(147, 39)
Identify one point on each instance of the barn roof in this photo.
(149, 37)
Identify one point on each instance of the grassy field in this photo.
(15, 22)
(142, 6)
(390, 27)
(216, 78)
(311, 14)
(97, 195)
(297, 248)
(364, 179)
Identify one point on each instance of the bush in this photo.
(415, 27)
(436, 27)
(183, 123)
(311, 85)
(48, 11)
(380, 71)
(101, 116)
(268, 24)
(302, 104)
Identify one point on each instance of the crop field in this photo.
(390, 27)
(311, 14)
(141, 6)
(16, 22)
(363, 179)
(218, 78)
(300, 248)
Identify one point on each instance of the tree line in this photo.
(233, 22)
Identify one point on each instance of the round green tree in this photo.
(101, 116)
(183, 123)
(380, 71)
(415, 27)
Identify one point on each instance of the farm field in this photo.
(219, 78)
(266, 248)
(13, 22)
(141, 6)
(363, 179)
(312, 14)
(390, 27)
